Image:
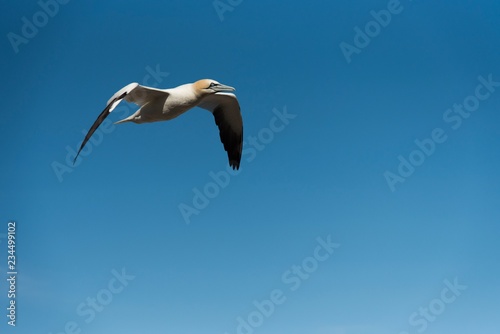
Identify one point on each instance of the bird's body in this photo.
(165, 104)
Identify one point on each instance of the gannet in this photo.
(166, 104)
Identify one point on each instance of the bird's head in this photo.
(209, 86)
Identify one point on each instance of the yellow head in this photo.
(209, 86)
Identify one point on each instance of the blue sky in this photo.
(331, 158)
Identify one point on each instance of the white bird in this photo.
(166, 104)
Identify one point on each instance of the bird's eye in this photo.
(212, 84)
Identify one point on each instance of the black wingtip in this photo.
(76, 157)
(234, 164)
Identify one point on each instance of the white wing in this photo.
(133, 92)
(141, 95)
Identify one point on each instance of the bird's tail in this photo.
(128, 119)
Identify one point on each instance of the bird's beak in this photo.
(223, 88)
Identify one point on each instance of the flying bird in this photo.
(165, 104)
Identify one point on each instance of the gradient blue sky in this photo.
(322, 175)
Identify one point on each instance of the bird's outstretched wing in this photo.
(133, 92)
(227, 114)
